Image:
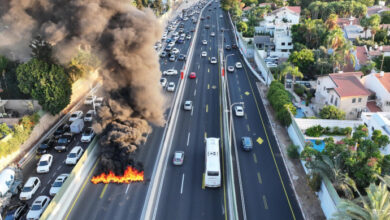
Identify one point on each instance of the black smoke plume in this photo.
(122, 36)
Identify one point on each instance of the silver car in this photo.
(178, 158)
(188, 105)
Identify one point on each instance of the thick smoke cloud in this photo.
(122, 36)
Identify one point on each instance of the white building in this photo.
(277, 25)
(378, 121)
(380, 84)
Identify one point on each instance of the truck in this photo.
(11, 179)
(77, 126)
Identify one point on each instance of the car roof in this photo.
(61, 177)
(75, 149)
(90, 111)
(179, 153)
(45, 156)
(30, 181)
(39, 199)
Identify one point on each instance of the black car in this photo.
(63, 141)
(16, 212)
(61, 130)
(227, 47)
(181, 57)
(234, 46)
(163, 54)
(46, 145)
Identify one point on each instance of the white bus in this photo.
(213, 167)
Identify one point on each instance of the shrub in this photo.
(281, 103)
(299, 90)
(314, 131)
(331, 112)
(292, 151)
(314, 181)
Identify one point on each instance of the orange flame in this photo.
(130, 175)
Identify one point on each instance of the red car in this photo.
(192, 75)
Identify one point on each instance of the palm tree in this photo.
(374, 21)
(331, 169)
(331, 22)
(288, 68)
(374, 206)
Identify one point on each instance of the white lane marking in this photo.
(54, 174)
(43, 189)
(48, 182)
(192, 111)
(188, 138)
(195, 92)
(127, 188)
(182, 183)
(196, 82)
(59, 167)
(147, 135)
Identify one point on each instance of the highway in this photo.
(125, 201)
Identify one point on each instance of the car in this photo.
(44, 163)
(207, 26)
(271, 65)
(170, 72)
(246, 143)
(30, 188)
(188, 37)
(168, 48)
(238, 65)
(212, 34)
(57, 184)
(168, 40)
(46, 145)
(89, 100)
(213, 60)
(38, 207)
(181, 57)
(181, 40)
(204, 42)
(193, 30)
(61, 130)
(75, 115)
(171, 87)
(227, 47)
(234, 46)
(230, 68)
(164, 37)
(74, 155)
(171, 44)
(204, 54)
(221, 16)
(163, 54)
(272, 58)
(192, 75)
(188, 105)
(175, 38)
(178, 158)
(239, 110)
(202, 18)
(208, 16)
(87, 135)
(89, 115)
(172, 58)
(63, 141)
(163, 82)
(99, 101)
(183, 35)
(16, 211)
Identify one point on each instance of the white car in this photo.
(176, 37)
(171, 87)
(188, 37)
(89, 115)
(188, 105)
(57, 184)
(99, 101)
(171, 44)
(238, 65)
(164, 37)
(75, 115)
(204, 42)
(271, 65)
(204, 54)
(74, 155)
(89, 100)
(212, 34)
(178, 158)
(239, 110)
(88, 134)
(175, 50)
(163, 82)
(221, 16)
(170, 72)
(44, 163)
(38, 207)
(213, 60)
(29, 188)
(231, 68)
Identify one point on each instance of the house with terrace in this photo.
(378, 121)
(379, 83)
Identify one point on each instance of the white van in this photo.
(7, 178)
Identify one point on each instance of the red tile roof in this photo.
(348, 84)
(247, 8)
(296, 9)
(385, 80)
(371, 105)
(346, 21)
(379, 50)
(362, 54)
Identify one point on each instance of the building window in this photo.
(331, 99)
(284, 50)
(387, 103)
(353, 100)
(335, 101)
(289, 44)
(360, 100)
(283, 44)
(373, 129)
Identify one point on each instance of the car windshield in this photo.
(43, 163)
(72, 155)
(57, 184)
(88, 115)
(27, 189)
(43, 146)
(62, 140)
(73, 116)
(36, 207)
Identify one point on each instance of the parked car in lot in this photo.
(246, 143)
(181, 57)
(38, 207)
(204, 53)
(99, 101)
(75, 115)
(239, 110)
(57, 184)
(46, 145)
(188, 105)
(163, 82)
(238, 65)
(44, 163)
(16, 211)
(89, 100)
(89, 115)
(178, 158)
(213, 60)
(171, 87)
(88, 134)
(74, 155)
(231, 68)
(63, 141)
(61, 130)
(30, 188)
(170, 72)
(192, 75)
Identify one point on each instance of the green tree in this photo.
(386, 63)
(331, 22)
(331, 112)
(374, 22)
(242, 26)
(303, 59)
(385, 17)
(47, 83)
(139, 4)
(158, 7)
(366, 69)
(290, 69)
(4, 130)
(82, 64)
(41, 49)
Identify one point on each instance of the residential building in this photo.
(379, 83)
(358, 59)
(379, 51)
(378, 121)
(343, 90)
(277, 27)
(376, 9)
(352, 32)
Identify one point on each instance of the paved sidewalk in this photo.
(307, 199)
